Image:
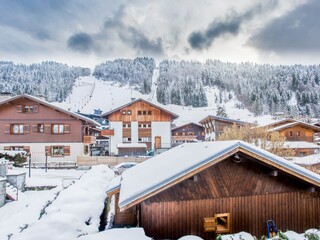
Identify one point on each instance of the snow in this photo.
(307, 160)
(154, 173)
(74, 211)
(190, 237)
(118, 234)
(90, 93)
(114, 184)
(300, 144)
(291, 235)
(13, 153)
(2, 179)
(238, 236)
(132, 145)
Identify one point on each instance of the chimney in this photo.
(5, 95)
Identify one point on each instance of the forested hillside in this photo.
(137, 72)
(51, 79)
(261, 88)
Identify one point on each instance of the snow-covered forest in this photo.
(51, 79)
(262, 88)
(137, 72)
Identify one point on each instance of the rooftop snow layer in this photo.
(300, 144)
(176, 162)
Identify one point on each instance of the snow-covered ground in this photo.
(90, 93)
(58, 213)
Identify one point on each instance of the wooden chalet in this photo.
(138, 122)
(43, 129)
(212, 188)
(215, 125)
(189, 132)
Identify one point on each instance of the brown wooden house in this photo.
(211, 188)
(138, 122)
(39, 127)
(215, 125)
(300, 136)
(189, 132)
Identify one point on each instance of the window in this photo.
(144, 112)
(126, 125)
(126, 140)
(124, 112)
(40, 128)
(302, 154)
(298, 133)
(290, 134)
(144, 125)
(28, 109)
(149, 112)
(144, 139)
(139, 113)
(129, 112)
(17, 128)
(58, 151)
(57, 128)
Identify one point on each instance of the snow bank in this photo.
(190, 237)
(76, 211)
(238, 236)
(119, 234)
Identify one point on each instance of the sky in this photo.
(89, 32)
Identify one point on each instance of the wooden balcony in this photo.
(107, 132)
(89, 139)
(183, 138)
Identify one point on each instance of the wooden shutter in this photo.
(66, 150)
(34, 128)
(6, 148)
(48, 150)
(19, 108)
(26, 148)
(35, 108)
(47, 128)
(26, 128)
(66, 128)
(6, 129)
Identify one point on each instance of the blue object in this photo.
(272, 229)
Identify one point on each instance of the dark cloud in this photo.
(81, 42)
(230, 25)
(294, 32)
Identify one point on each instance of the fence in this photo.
(107, 160)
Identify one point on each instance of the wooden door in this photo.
(157, 142)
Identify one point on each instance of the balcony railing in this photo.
(89, 139)
(107, 132)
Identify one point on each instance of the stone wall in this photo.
(107, 160)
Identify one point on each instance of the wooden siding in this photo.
(297, 211)
(298, 134)
(187, 133)
(157, 115)
(125, 218)
(44, 115)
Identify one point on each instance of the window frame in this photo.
(60, 127)
(19, 128)
(59, 147)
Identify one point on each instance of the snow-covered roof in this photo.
(114, 184)
(295, 123)
(307, 160)
(131, 145)
(224, 119)
(2, 179)
(157, 172)
(43, 102)
(186, 124)
(12, 153)
(300, 144)
(140, 100)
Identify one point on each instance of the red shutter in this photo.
(19, 108)
(47, 128)
(48, 150)
(35, 108)
(66, 128)
(66, 150)
(6, 129)
(26, 128)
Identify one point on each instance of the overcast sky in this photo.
(87, 32)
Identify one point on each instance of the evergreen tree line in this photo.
(137, 72)
(262, 88)
(51, 79)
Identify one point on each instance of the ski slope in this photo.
(90, 93)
